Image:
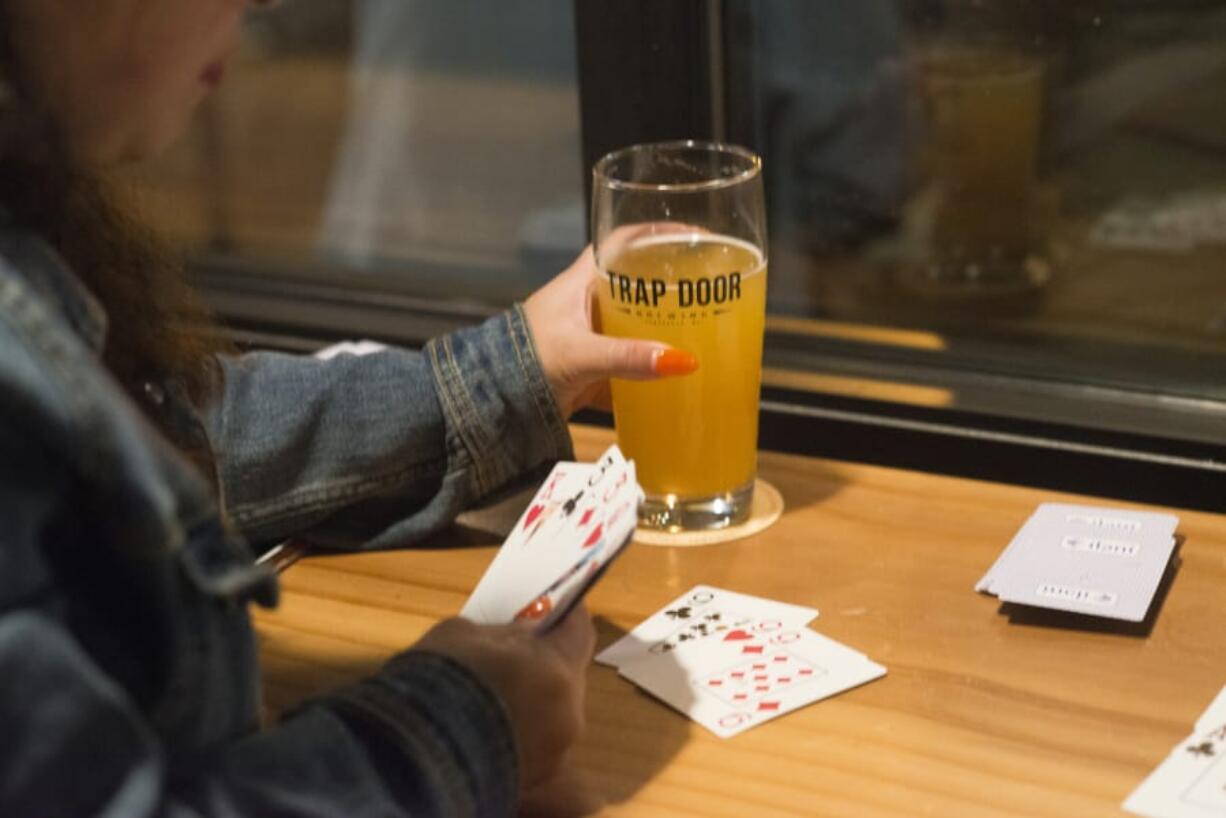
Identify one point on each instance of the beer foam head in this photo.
(690, 240)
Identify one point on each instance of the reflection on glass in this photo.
(983, 109)
(1041, 184)
(426, 143)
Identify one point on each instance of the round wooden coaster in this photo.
(767, 507)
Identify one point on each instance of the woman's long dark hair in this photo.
(158, 329)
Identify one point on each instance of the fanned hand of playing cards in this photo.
(580, 519)
(731, 661)
(1191, 782)
(1104, 562)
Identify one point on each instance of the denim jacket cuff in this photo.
(500, 410)
(440, 721)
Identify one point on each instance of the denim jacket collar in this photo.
(43, 268)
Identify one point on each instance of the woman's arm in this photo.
(382, 449)
(76, 744)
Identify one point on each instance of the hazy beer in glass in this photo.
(680, 248)
(984, 109)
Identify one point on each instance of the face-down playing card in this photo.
(1104, 562)
(1086, 572)
(1067, 532)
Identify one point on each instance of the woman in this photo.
(137, 461)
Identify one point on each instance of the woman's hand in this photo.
(541, 679)
(576, 359)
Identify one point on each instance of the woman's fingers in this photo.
(600, 357)
(574, 356)
(574, 638)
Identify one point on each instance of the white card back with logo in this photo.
(1082, 559)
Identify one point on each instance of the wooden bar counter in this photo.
(979, 715)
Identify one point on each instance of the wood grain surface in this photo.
(981, 714)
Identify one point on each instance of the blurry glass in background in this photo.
(982, 108)
(1039, 186)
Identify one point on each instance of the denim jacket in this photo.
(129, 683)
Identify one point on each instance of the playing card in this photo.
(564, 482)
(1098, 561)
(522, 566)
(560, 539)
(1114, 578)
(602, 540)
(1214, 714)
(696, 615)
(749, 675)
(1191, 781)
(986, 585)
(1055, 521)
(1081, 584)
(570, 500)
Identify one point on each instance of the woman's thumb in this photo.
(636, 360)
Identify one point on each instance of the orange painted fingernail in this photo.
(675, 362)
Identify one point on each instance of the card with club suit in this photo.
(696, 615)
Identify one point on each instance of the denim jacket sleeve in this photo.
(84, 735)
(446, 751)
(380, 450)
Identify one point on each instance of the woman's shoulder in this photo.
(50, 334)
(35, 430)
(39, 294)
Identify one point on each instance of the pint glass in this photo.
(984, 113)
(680, 239)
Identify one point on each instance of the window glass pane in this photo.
(1008, 188)
(430, 146)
